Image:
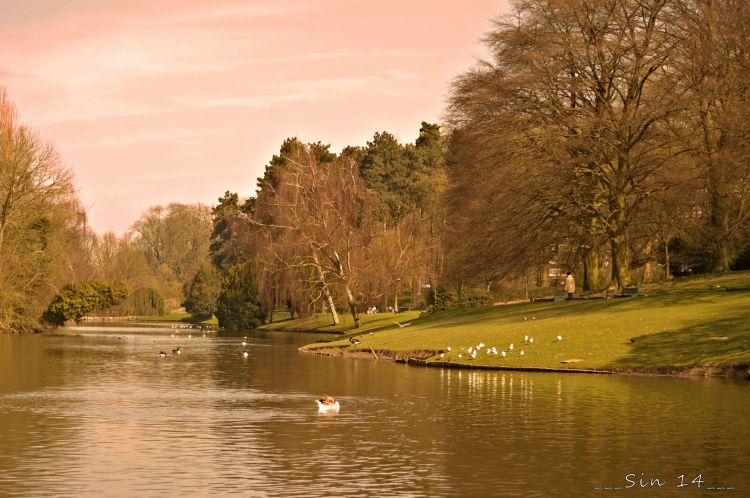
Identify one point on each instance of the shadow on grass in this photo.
(695, 346)
(515, 313)
(549, 310)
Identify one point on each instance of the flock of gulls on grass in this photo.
(473, 351)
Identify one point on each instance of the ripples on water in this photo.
(98, 413)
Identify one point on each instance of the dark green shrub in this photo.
(204, 293)
(75, 301)
(445, 299)
(469, 298)
(238, 306)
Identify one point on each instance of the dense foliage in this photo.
(145, 301)
(76, 301)
(204, 292)
(238, 305)
(328, 230)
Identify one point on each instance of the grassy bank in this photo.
(697, 325)
(176, 317)
(323, 323)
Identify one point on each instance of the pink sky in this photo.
(151, 102)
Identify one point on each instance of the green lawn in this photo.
(176, 317)
(697, 322)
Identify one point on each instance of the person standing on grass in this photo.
(570, 285)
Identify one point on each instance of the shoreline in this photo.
(422, 357)
(34, 330)
(684, 328)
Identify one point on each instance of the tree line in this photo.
(606, 137)
(344, 231)
(611, 136)
(53, 264)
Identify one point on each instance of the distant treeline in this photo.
(51, 263)
(609, 138)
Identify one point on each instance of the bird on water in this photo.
(327, 404)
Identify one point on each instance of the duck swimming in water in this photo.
(327, 404)
(162, 354)
(176, 351)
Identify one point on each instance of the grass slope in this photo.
(687, 324)
(322, 323)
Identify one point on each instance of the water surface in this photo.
(96, 412)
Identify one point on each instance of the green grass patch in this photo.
(696, 322)
(176, 317)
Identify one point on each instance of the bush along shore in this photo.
(694, 326)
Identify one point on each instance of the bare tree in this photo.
(580, 83)
(40, 234)
(712, 74)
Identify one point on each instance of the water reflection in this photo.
(94, 412)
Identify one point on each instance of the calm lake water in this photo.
(96, 412)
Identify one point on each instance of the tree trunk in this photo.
(591, 270)
(667, 273)
(719, 207)
(651, 262)
(719, 210)
(620, 262)
(619, 243)
(331, 306)
(395, 300)
(352, 305)
(525, 286)
(542, 279)
(326, 291)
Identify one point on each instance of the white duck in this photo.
(327, 404)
